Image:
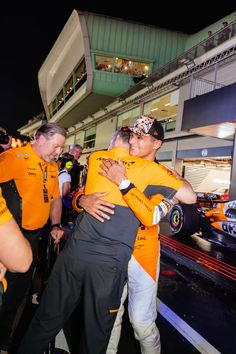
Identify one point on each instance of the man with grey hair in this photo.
(92, 269)
(75, 172)
(29, 181)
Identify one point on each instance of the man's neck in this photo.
(150, 157)
(36, 149)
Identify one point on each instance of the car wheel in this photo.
(184, 219)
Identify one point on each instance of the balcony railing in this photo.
(187, 58)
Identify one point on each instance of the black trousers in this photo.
(18, 285)
(73, 281)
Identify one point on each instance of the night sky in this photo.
(29, 32)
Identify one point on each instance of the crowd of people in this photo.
(114, 250)
(222, 36)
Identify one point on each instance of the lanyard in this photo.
(45, 191)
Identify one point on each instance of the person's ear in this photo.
(157, 144)
(42, 139)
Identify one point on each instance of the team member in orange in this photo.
(15, 250)
(29, 181)
(93, 265)
(143, 270)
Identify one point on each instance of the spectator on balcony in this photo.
(210, 41)
(225, 33)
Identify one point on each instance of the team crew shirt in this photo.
(148, 177)
(143, 271)
(32, 176)
(5, 214)
(93, 266)
(147, 245)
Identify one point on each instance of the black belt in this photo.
(32, 232)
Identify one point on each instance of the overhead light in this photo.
(154, 109)
(218, 180)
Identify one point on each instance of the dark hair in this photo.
(50, 129)
(4, 138)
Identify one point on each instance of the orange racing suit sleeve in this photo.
(75, 201)
(149, 211)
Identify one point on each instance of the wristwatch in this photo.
(124, 184)
(58, 226)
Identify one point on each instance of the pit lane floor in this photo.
(196, 314)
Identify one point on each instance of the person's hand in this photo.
(3, 270)
(114, 171)
(57, 234)
(97, 207)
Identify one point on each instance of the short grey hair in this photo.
(48, 130)
(75, 146)
(122, 132)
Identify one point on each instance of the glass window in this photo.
(128, 118)
(77, 78)
(60, 98)
(122, 66)
(69, 88)
(164, 109)
(53, 107)
(89, 138)
(170, 125)
(80, 75)
(103, 63)
(80, 71)
(130, 67)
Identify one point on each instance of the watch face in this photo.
(124, 184)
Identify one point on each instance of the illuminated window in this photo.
(122, 66)
(53, 107)
(80, 75)
(89, 138)
(103, 63)
(128, 118)
(69, 88)
(60, 98)
(76, 80)
(164, 109)
(130, 67)
(80, 71)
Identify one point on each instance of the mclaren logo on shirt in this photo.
(127, 163)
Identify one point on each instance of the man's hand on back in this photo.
(113, 170)
(97, 207)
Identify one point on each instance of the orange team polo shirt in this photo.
(26, 168)
(148, 176)
(5, 214)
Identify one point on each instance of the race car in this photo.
(211, 217)
(223, 193)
